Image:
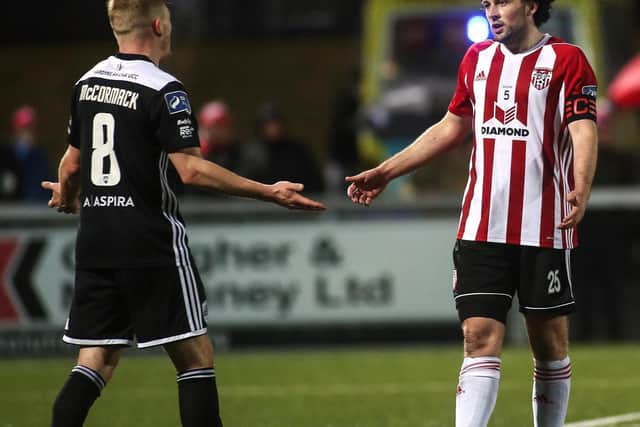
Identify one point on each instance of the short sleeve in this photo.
(460, 104)
(581, 88)
(72, 128)
(177, 126)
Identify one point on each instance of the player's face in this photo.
(508, 18)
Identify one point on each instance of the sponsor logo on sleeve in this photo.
(177, 102)
(590, 90)
(186, 131)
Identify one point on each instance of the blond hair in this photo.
(130, 16)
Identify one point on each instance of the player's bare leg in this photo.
(197, 390)
(95, 367)
(102, 360)
(480, 372)
(549, 340)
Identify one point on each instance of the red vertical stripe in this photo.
(524, 84)
(548, 208)
(516, 192)
(487, 175)
(493, 80)
(473, 176)
(490, 97)
(8, 311)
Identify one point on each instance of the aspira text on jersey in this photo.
(108, 202)
(109, 95)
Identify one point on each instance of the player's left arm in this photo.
(194, 170)
(584, 135)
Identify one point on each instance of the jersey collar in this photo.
(132, 57)
(543, 41)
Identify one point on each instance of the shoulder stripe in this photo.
(140, 72)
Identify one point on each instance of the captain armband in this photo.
(578, 107)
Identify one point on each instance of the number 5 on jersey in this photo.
(105, 171)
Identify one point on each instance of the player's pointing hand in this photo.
(56, 199)
(287, 194)
(366, 186)
(54, 187)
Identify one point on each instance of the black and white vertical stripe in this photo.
(567, 260)
(181, 250)
(196, 373)
(91, 374)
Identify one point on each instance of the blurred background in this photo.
(310, 91)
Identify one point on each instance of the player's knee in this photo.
(482, 338)
(549, 337)
(551, 347)
(191, 353)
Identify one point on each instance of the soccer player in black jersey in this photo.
(135, 277)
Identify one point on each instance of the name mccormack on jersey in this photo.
(108, 202)
(109, 95)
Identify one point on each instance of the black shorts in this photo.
(152, 306)
(488, 275)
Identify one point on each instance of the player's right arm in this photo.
(65, 192)
(436, 140)
(69, 178)
(194, 170)
(442, 136)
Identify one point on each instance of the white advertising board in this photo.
(259, 274)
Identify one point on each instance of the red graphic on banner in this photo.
(8, 311)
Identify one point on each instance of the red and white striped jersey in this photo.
(521, 167)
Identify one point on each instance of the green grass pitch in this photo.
(373, 387)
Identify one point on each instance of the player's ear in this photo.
(156, 27)
(531, 7)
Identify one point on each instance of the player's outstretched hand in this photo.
(578, 207)
(56, 200)
(287, 194)
(366, 186)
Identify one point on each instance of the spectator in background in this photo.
(31, 158)
(218, 144)
(9, 174)
(275, 156)
(218, 141)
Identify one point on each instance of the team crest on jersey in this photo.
(177, 102)
(590, 90)
(541, 78)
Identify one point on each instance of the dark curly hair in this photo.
(543, 13)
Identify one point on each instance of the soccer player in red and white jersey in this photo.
(529, 99)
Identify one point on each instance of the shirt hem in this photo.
(522, 243)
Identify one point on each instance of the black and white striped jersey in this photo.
(126, 115)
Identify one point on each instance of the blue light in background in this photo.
(477, 29)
